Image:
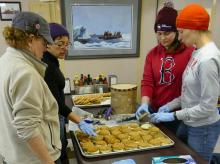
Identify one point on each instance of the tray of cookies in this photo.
(122, 138)
(92, 100)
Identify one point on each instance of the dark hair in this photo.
(175, 46)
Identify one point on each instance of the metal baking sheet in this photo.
(106, 102)
(125, 151)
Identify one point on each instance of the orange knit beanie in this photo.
(193, 17)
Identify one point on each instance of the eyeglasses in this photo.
(62, 44)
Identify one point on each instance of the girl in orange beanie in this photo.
(201, 85)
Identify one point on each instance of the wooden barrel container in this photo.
(123, 98)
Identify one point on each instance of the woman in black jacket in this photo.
(56, 82)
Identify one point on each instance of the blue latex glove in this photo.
(164, 109)
(162, 117)
(86, 128)
(142, 109)
(126, 161)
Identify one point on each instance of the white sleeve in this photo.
(174, 104)
(26, 99)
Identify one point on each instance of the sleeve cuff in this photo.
(181, 115)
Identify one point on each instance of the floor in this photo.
(72, 161)
(70, 153)
(217, 147)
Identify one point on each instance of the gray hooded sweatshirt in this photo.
(200, 88)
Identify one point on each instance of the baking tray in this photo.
(106, 102)
(87, 155)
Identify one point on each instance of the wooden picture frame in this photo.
(9, 9)
(102, 29)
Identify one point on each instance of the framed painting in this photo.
(102, 29)
(9, 9)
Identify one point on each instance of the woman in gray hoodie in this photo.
(201, 85)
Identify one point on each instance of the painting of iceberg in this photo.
(102, 26)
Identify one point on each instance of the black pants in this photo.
(215, 158)
(58, 161)
(63, 139)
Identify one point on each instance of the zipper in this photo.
(51, 138)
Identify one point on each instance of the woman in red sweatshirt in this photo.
(164, 65)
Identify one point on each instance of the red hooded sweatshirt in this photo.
(162, 77)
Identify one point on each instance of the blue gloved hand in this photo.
(126, 161)
(142, 109)
(164, 109)
(87, 128)
(162, 117)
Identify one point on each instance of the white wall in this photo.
(181, 4)
(216, 24)
(24, 7)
